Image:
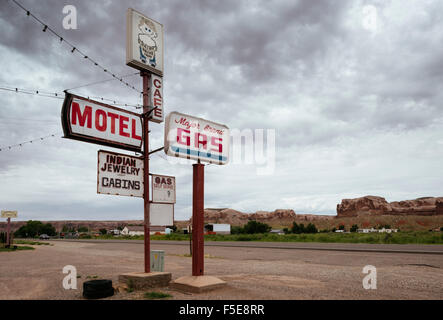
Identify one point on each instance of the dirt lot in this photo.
(251, 273)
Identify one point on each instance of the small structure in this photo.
(221, 228)
(339, 230)
(133, 231)
(277, 231)
(383, 230)
(139, 230)
(114, 232)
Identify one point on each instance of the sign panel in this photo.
(156, 99)
(161, 214)
(119, 174)
(195, 138)
(9, 214)
(144, 42)
(91, 121)
(163, 189)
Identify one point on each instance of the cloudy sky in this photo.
(355, 101)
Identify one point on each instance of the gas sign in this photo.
(91, 121)
(163, 189)
(144, 42)
(119, 174)
(195, 138)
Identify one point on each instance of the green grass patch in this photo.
(156, 295)
(35, 243)
(3, 249)
(404, 237)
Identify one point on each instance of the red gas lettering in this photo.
(180, 136)
(215, 144)
(203, 140)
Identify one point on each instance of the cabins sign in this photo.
(195, 138)
(119, 174)
(91, 121)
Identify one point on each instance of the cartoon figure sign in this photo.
(144, 43)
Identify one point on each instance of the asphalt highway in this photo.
(346, 247)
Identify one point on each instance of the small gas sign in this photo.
(163, 189)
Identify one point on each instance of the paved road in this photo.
(254, 271)
(350, 247)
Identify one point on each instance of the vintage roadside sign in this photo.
(9, 214)
(144, 42)
(161, 214)
(156, 99)
(163, 189)
(119, 174)
(196, 138)
(91, 121)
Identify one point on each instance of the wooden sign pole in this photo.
(8, 231)
(198, 186)
(146, 80)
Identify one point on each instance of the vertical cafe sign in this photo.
(144, 43)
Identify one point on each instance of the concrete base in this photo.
(197, 284)
(142, 280)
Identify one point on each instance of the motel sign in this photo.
(91, 121)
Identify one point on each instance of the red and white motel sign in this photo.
(91, 121)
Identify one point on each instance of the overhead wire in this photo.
(25, 142)
(61, 95)
(74, 48)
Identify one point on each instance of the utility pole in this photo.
(146, 80)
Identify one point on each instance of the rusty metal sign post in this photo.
(8, 215)
(147, 238)
(198, 246)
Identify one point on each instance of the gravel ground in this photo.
(251, 273)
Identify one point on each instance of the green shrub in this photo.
(354, 228)
(311, 228)
(34, 228)
(256, 227)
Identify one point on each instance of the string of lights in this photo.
(61, 95)
(73, 48)
(102, 81)
(30, 141)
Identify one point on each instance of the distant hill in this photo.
(424, 213)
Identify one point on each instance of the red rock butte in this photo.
(373, 205)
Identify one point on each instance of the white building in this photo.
(377, 230)
(133, 231)
(114, 232)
